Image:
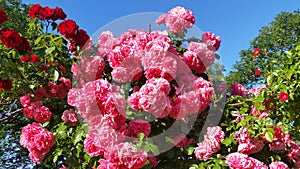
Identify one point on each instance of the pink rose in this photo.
(278, 165)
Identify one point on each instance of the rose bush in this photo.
(73, 96)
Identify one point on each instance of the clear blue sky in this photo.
(236, 21)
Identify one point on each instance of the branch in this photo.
(11, 115)
(2, 104)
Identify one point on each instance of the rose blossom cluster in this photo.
(192, 101)
(12, 39)
(71, 31)
(153, 52)
(211, 144)
(60, 89)
(278, 165)
(242, 161)
(248, 145)
(5, 84)
(182, 141)
(159, 86)
(68, 28)
(101, 103)
(198, 56)
(35, 109)
(283, 96)
(239, 90)
(123, 155)
(37, 140)
(32, 58)
(280, 139)
(105, 141)
(153, 98)
(46, 13)
(88, 69)
(91, 148)
(136, 51)
(177, 19)
(293, 153)
(211, 40)
(70, 117)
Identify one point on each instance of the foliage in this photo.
(281, 35)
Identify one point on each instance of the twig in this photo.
(149, 28)
(8, 103)
(11, 115)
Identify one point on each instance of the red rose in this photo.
(211, 40)
(257, 72)
(23, 46)
(63, 69)
(5, 84)
(34, 58)
(46, 13)
(3, 16)
(59, 14)
(81, 38)
(256, 51)
(34, 10)
(68, 28)
(283, 96)
(11, 39)
(39, 94)
(24, 59)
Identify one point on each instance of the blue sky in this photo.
(236, 21)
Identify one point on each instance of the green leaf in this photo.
(141, 136)
(50, 50)
(45, 124)
(269, 136)
(269, 78)
(154, 149)
(227, 141)
(78, 136)
(54, 26)
(190, 150)
(169, 140)
(38, 40)
(56, 76)
(57, 153)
